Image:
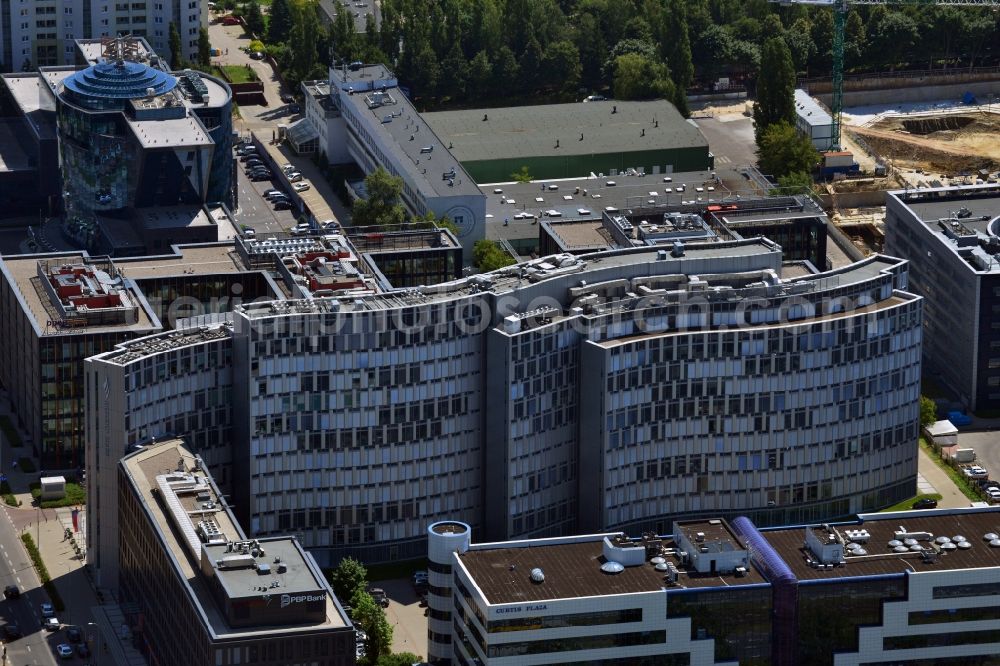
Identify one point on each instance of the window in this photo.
(975, 590)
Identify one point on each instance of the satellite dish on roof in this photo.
(612, 568)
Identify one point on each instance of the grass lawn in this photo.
(75, 494)
(238, 74)
(908, 504)
(10, 432)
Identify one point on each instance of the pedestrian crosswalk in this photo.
(722, 159)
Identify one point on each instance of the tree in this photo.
(304, 35)
(204, 48)
(349, 577)
(505, 71)
(561, 66)
(775, 87)
(371, 618)
(531, 64)
(488, 256)
(174, 44)
(800, 44)
(426, 72)
(399, 659)
(781, 150)
(280, 25)
(677, 50)
(928, 411)
(522, 176)
(797, 182)
(254, 18)
(892, 38)
(480, 75)
(383, 206)
(638, 77)
(457, 68)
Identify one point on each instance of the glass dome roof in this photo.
(118, 81)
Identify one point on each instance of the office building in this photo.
(207, 594)
(42, 34)
(897, 588)
(950, 236)
(375, 125)
(625, 389)
(572, 140)
(59, 309)
(119, 136)
(409, 258)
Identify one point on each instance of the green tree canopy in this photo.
(638, 77)
(782, 151)
(928, 411)
(280, 26)
(204, 48)
(174, 43)
(348, 578)
(775, 87)
(383, 207)
(797, 182)
(254, 18)
(489, 256)
(371, 618)
(399, 659)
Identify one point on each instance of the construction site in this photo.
(931, 144)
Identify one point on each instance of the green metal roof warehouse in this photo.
(571, 140)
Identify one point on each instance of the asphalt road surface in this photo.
(37, 646)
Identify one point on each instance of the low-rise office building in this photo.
(208, 594)
(897, 588)
(813, 121)
(625, 389)
(951, 236)
(381, 128)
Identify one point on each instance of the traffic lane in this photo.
(36, 646)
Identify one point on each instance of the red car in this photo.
(230, 20)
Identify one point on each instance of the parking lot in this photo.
(987, 446)
(256, 212)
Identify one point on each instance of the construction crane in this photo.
(840, 9)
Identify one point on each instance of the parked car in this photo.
(282, 204)
(300, 228)
(419, 576)
(378, 594)
(257, 55)
(976, 472)
(300, 187)
(261, 175)
(253, 161)
(74, 635)
(82, 650)
(11, 631)
(247, 156)
(64, 651)
(276, 196)
(287, 166)
(47, 610)
(993, 494)
(925, 503)
(267, 193)
(51, 624)
(287, 98)
(12, 592)
(230, 20)
(294, 177)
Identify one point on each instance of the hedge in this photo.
(43, 573)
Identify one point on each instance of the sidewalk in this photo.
(951, 496)
(100, 620)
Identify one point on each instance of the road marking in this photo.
(18, 578)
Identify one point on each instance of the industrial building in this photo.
(813, 121)
(917, 587)
(693, 376)
(951, 237)
(43, 34)
(572, 140)
(206, 593)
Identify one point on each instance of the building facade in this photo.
(207, 595)
(951, 237)
(813, 121)
(897, 588)
(697, 378)
(43, 34)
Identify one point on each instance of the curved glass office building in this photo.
(133, 136)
